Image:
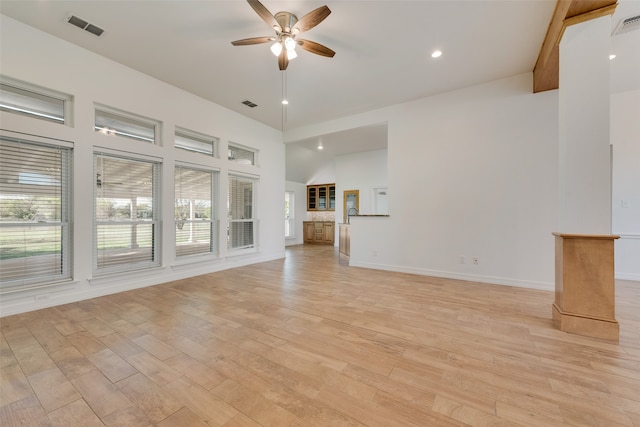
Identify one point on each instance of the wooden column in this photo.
(585, 285)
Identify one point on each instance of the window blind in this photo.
(241, 212)
(127, 126)
(126, 214)
(195, 211)
(35, 211)
(30, 103)
(191, 141)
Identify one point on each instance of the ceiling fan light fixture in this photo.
(276, 48)
(291, 54)
(289, 43)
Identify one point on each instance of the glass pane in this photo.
(122, 244)
(193, 211)
(31, 251)
(31, 182)
(240, 155)
(193, 237)
(124, 189)
(240, 214)
(191, 143)
(287, 205)
(241, 198)
(193, 194)
(31, 103)
(322, 197)
(125, 213)
(34, 191)
(332, 197)
(121, 125)
(241, 234)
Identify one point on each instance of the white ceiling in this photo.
(382, 50)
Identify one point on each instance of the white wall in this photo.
(474, 173)
(471, 173)
(360, 171)
(38, 58)
(584, 173)
(625, 138)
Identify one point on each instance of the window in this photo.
(241, 212)
(241, 155)
(112, 122)
(35, 211)
(33, 102)
(126, 214)
(195, 211)
(191, 141)
(289, 215)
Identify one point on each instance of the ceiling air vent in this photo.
(81, 23)
(627, 24)
(249, 104)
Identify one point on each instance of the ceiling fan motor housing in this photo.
(286, 20)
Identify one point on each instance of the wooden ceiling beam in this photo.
(546, 73)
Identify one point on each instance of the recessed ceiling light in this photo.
(611, 56)
(285, 102)
(436, 54)
(320, 147)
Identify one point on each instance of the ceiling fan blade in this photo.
(311, 19)
(252, 40)
(316, 48)
(283, 60)
(264, 13)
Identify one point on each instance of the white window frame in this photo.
(155, 222)
(213, 220)
(25, 281)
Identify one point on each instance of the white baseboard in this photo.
(628, 276)
(544, 286)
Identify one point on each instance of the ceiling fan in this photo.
(287, 26)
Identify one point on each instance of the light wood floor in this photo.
(308, 341)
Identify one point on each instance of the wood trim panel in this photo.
(566, 13)
(585, 285)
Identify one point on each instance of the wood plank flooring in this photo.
(309, 341)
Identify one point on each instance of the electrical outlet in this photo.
(476, 261)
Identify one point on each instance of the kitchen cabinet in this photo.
(308, 229)
(319, 232)
(321, 197)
